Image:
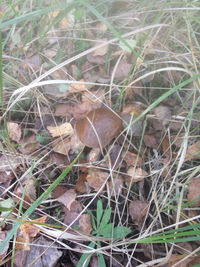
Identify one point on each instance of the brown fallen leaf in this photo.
(100, 51)
(163, 113)
(136, 175)
(14, 131)
(31, 228)
(38, 254)
(150, 140)
(132, 159)
(194, 192)
(10, 162)
(81, 184)
(115, 186)
(85, 224)
(29, 144)
(61, 146)
(61, 130)
(26, 190)
(96, 179)
(193, 151)
(99, 60)
(64, 110)
(67, 198)
(70, 217)
(59, 159)
(189, 262)
(122, 70)
(138, 210)
(78, 87)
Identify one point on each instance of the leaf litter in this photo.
(111, 191)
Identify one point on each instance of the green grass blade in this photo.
(99, 212)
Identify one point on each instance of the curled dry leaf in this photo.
(163, 113)
(61, 130)
(14, 131)
(193, 151)
(138, 210)
(68, 198)
(98, 128)
(85, 224)
(136, 175)
(31, 228)
(194, 192)
(96, 179)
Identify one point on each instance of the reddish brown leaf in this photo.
(81, 183)
(138, 210)
(193, 151)
(96, 179)
(59, 159)
(136, 175)
(29, 144)
(150, 140)
(31, 228)
(67, 198)
(85, 224)
(132, 159)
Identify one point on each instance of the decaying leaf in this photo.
(175, 258)
(193, 151)
(85, 224)
(67, 198)
(61, 130)
(122, 70)
(115, 186)
(136, 175)
(132, 159)
(150, 140)
(62, 146)
(10, 162)
(27, 190)
(14, 131)
(138, 210)
(100, 51)
(38, 254)
(96, 179)
(163, 113)
(31, 228)
(94, 154)
(81, 183)
(29, 144)
(71, 215)
(194, 192)
(99, 60)
(6, 176)
(60, 160)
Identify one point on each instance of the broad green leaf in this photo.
(121, 232)
(99, 212)
(106, 231)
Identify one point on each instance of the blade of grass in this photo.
(1, 73)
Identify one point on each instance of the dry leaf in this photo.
(194, 192)
(132, 159)
(67, 198)
(10, 162)
(81, 183)
(100, 28)
(163, 113)
(100, 51)
(138, 210)
(115, 186)
(62, 146)
(64, 110)
(150, 140)
(71, 215)
(78, 87)
(99, 60)
(193, 151)
(30, 228)
(96, 179)
(29, 144)
(136, 175)
(85, 224)
(14, 131)
(189, 262)
(94, 154)
(61, 130)
(122, 70)
(59, 159)
(26, 190)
